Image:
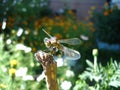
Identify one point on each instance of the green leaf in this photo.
(90, 64)
(115, 83)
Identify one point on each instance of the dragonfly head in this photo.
(53, 40)
(50, 42)
(47, 42)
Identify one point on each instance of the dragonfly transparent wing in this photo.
(72, 41)
(70, 54)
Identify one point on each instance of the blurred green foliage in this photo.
(12, 58)
(107, 25)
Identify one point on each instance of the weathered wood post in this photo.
(50, 67)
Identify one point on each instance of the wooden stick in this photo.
(50, 67)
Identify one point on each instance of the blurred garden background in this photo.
(95, 22)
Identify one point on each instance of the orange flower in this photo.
(50, 21)
(49, 28)
(61, 24)
(59, 36)
(74, 27)
(92, 29)
(110, 10)
(57, 18)
(65, 29)
(37, 24)
(90, 23)
(70, 12)
(106, 13)
(86, 18)
(10, 22)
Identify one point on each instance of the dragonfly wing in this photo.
(72, 41)
(70, 54)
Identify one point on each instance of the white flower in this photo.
(23, 47)
(20, 31)
(66, 85)
(83, 37)
(26, 32)
(28, 49)
(3, 24)
(21, 72)
(69, 73)
(20, 47)
(28, 77)
(8, 41)
(59, 61)
(4, 69)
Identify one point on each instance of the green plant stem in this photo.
(12, 84)
(98, 86)
(95, 63)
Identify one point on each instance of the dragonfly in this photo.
(54, 46)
